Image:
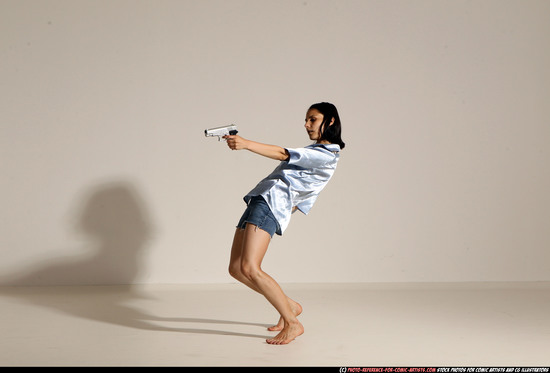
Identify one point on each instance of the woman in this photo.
(293, 185)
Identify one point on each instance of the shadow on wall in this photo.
(114, 220)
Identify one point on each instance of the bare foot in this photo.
(296, 308)
(288, 334)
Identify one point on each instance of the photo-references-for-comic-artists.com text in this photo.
(445, 370)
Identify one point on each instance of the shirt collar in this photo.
(329, 147)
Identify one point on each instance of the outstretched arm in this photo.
(236, 142)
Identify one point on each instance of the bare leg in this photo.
(235, 271)
(255, 243)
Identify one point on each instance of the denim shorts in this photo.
(259, 214)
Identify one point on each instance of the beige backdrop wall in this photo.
(107, 176)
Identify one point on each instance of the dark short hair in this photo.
(331, 133)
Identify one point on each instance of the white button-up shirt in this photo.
(297, 181)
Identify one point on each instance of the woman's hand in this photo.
(236, 142)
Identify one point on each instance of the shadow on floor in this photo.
(111, 304)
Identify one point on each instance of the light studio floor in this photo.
(489, 324)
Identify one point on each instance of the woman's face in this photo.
(314, 119)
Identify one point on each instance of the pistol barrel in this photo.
(221, 131)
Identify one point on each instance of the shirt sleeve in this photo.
(309, 157)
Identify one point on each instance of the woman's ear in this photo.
(331, 122)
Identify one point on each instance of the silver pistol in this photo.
(221, 131)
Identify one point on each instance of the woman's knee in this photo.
(250, 271)
(235, 270)
(240, 270)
